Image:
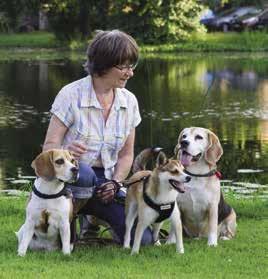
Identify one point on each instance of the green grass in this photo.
(246, 256)
(29, 40)
(231, 41)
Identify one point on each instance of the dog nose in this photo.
(74, 170)
(187, 178)
(184, 143)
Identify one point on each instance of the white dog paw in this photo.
(157, 243)
(21, 253)
(224, 238)
(212, 243)
(126, 246)
(180, 251)
(134, 252)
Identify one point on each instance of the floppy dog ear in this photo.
(214, 150)
(161, 159)
(43, 166)
(177, 147)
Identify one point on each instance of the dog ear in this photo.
(161, 159)
(43, 166)
(214, 150)
(177, 147)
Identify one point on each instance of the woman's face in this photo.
(118, 76)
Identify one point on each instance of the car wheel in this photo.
(225, 27)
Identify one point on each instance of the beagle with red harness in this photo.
(203, 209)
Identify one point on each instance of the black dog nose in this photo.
(74, 170)
(187, 179)
(184, 143)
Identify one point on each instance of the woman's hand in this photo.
(77, 148)
(106, 191)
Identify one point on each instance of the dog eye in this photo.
(183, 136)
(59, 161)
(198, 137)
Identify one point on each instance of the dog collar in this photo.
(63, 192)
(208, 174)
(164, 210)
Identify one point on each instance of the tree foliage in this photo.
(148, 20)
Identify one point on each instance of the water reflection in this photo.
(173, 94)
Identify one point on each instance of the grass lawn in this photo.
(231, 41)
(246, 256)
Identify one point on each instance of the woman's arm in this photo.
(125, 158)
(55, 135)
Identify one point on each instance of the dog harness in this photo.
(164, 210)
(63, 192)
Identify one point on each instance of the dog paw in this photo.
(180, 251)
(157, 243)
(212, 244)
(224, 238)
(126, 246)
(21, 253)
(134, 252)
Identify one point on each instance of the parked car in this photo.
(239, 23)
(224, 20)
(259, 21)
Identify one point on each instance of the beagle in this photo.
(203, 209)
(49, 210)
(151, 197)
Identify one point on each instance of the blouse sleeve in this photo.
(62, 107)
(136, 113)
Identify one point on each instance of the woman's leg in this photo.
(112, 213)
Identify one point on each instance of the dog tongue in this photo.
(186, 159)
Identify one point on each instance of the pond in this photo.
(227, 93)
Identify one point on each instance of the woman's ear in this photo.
(161, 159)
(43, 166)
(214, 150)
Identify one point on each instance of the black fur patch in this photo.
(224, 209)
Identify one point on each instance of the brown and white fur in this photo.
(202, 205)
(47, 224)
(162, 187)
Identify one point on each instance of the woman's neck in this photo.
(101, 87)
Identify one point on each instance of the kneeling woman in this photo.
(95, 118)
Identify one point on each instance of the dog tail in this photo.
(143, 158)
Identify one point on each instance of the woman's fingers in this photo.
(77, 148)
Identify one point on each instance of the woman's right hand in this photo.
(77, 148)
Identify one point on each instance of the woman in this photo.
(95, 118)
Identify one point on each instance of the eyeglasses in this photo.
(126, 68)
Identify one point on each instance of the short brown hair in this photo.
(108, 49)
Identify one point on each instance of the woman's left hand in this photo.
(106, 191)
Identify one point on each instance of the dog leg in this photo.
(227, 228)
(171, 236)
(177, 225)
(138, 235)
(213, 225)
(130, 218)
(65, 235)
(25, 236)
(156, 229)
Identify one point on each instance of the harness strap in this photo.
(63, 192)
(164, 210)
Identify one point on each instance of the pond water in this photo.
(225, 93)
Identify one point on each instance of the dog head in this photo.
(170, 172)
(56, 164)
(196, 144)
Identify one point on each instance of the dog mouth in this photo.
(186, 158)
(178, 186)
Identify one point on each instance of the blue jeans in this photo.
(113, 213)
